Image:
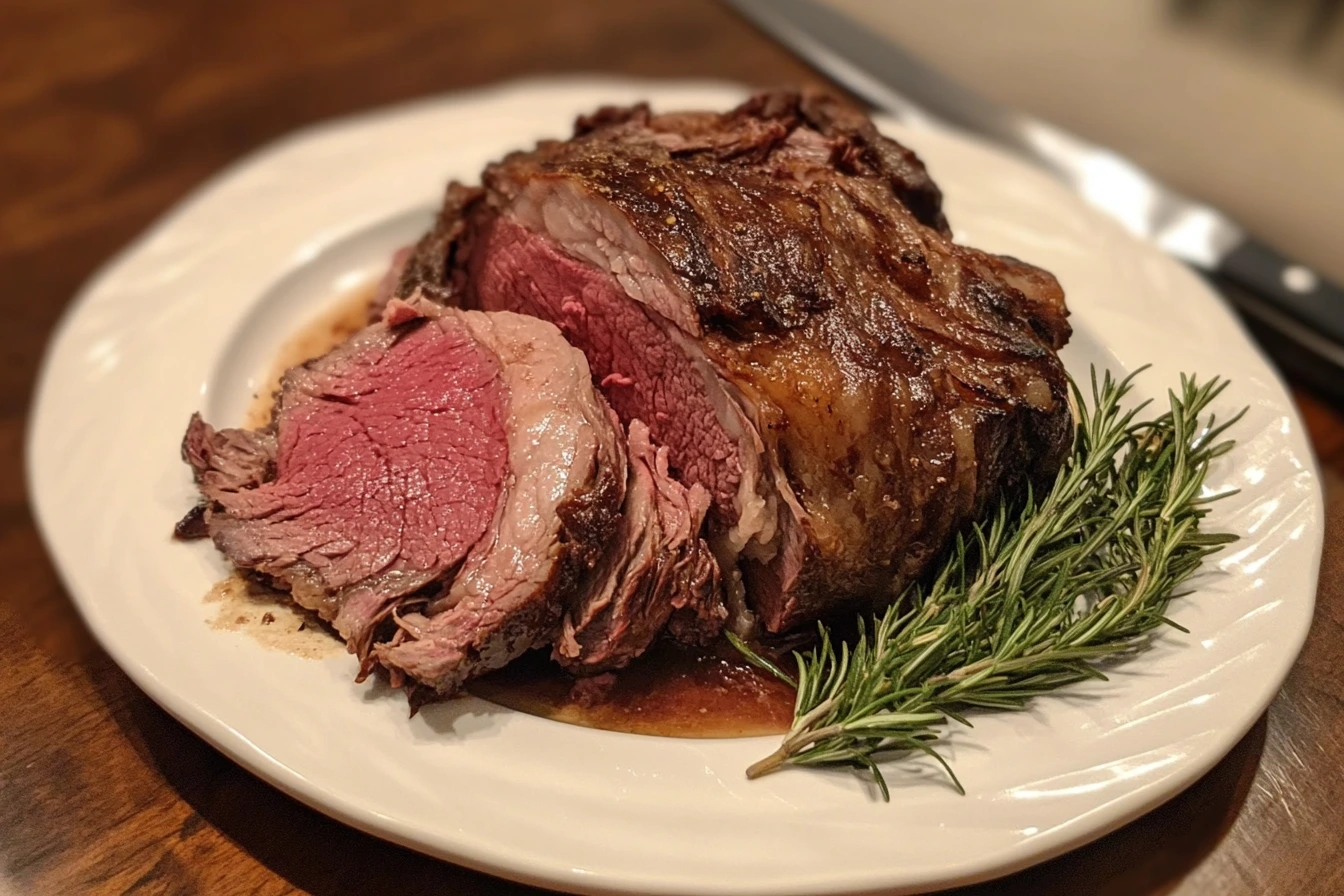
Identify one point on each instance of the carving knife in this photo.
(1297, 313)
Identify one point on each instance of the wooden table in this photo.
(111, 111)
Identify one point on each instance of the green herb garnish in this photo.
(1028, 602)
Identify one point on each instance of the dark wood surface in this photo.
(111, 111)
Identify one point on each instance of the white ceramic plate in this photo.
(189, 317)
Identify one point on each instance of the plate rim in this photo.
(233, 743)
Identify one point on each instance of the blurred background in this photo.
(1238, 102)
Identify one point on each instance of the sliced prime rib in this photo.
(775, 291)
(440, 456)
(554, 522)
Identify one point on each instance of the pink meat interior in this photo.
(396, 461)
(643, 374)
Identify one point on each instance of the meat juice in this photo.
(270, 618)
(672, 690)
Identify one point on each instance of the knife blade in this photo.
(1299, 311)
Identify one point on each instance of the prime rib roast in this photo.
(678, 372)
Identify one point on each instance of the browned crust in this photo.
(588, 522)
(901, 382)
(437, 254)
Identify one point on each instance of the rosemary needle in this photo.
(1028, 601)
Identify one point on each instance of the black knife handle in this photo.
(1294, 289)
(1306, 356)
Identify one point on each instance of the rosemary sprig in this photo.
(1027, 602)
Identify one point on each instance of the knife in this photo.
(1297, 313)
